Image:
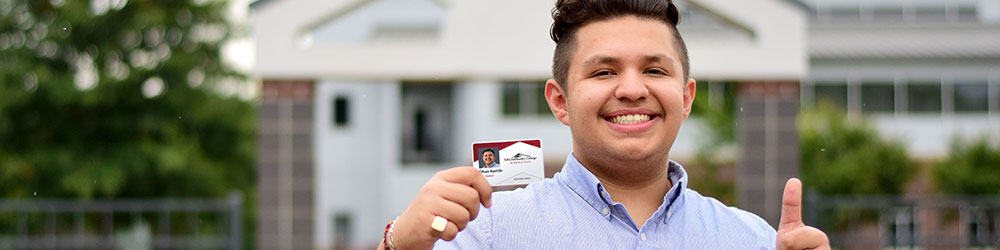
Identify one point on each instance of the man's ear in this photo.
(689, 93)
(556, 96)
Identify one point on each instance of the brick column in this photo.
(767, 133)
(285, 165)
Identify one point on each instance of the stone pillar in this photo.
(285, 198)
(767, 133)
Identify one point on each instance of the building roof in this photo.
(968, 41)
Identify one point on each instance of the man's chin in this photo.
(629, 155)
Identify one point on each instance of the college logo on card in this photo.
(520, 158)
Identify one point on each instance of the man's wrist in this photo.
(387, 241)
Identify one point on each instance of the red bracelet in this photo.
(387, 235)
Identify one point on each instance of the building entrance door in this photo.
(426, 121)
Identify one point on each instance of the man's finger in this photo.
(804, 238)
(454, 213)
(791, 204)
(470, 176)
(463, 195)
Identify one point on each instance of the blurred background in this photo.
(308, 124)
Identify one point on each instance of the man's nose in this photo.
(631, 87)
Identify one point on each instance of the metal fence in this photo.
(122, 224)
(885, 222)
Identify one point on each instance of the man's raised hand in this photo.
(792, 233)
(454, 194)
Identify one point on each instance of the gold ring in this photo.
(439, 223)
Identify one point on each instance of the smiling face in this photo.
(626, 94)
(488, 158)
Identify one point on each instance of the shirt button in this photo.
(642, 237)
(669, 213)
(605, 211)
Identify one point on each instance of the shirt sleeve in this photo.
(477, 234)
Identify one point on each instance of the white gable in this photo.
(497, 39)
(380, 21)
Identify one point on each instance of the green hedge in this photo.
(970, 168)
(844, 155)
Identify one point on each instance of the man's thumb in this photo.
(791, 204)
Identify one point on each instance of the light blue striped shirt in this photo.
(573, 211)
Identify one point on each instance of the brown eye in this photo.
(601, 73)
(656, 71)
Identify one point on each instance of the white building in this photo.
(363, 100)
(925, 70)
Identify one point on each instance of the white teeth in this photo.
(630, 119)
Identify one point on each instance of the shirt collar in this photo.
(587, 186)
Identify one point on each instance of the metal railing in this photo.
(881, 222)
(122, 224)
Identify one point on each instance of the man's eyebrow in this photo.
(600, 59)
(605, 59)
(659, 59)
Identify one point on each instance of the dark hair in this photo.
(488, 150)
(569, 15)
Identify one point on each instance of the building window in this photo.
(966, 14)
(341, 111)
(931, 14)
(846, 12)
(524, 99)
(831, 93)
(889, 15)
(971, 96)
(877, 97)
(342, 231)
(426, 122)
(923, 96)
(850, 14)
(511, 99)
(420, 125)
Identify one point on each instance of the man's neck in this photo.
(640, 191)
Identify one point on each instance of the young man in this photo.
(621, 84)
(489, 159)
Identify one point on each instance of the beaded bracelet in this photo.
(387, 236)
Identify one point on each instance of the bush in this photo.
(844, 155)
(969, 169)
(711, 169)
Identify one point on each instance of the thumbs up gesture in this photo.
(792, 233)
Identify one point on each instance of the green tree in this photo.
(844, 155)
(711, 169)
(118, 99)
(970, 169)
(719, 117)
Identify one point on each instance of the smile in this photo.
(629, 119)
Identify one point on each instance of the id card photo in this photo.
(509, 163)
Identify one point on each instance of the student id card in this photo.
(509, 163)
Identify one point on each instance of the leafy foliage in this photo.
(718, 113)
(844, 155)
(121, 99)
(713, 165)
(80, 114)
(712, 172)
(969, 169)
